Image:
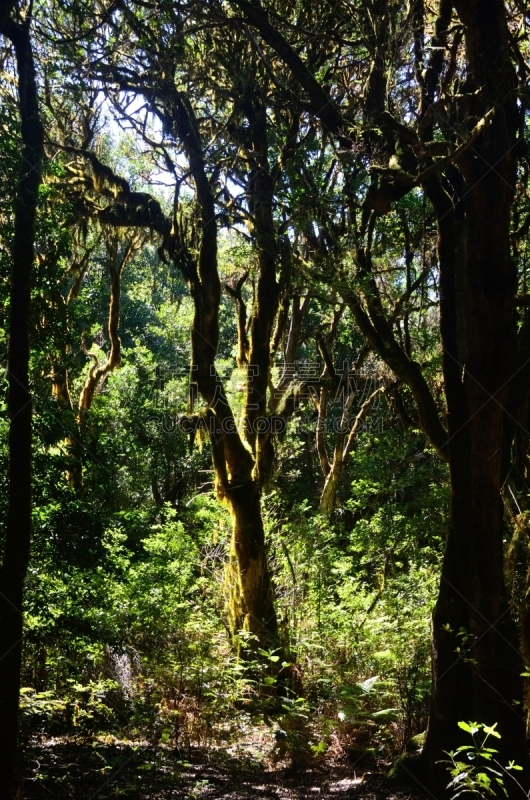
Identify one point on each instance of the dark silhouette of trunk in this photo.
(235, 292)
(18, 528)
(480, 681)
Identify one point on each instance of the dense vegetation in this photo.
(265, 330)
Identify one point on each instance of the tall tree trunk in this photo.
(254, 583)
(480, 681)
(60, 378)
(239, 473)
(18, 528)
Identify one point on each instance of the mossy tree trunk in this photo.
(250, 593)
(242, 458)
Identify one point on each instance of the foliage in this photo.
(480, 774)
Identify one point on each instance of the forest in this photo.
(265, 390)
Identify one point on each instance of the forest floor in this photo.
(102, 767)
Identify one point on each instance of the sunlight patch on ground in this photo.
(344, 784)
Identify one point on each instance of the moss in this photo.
(407, 770)
(416, 743)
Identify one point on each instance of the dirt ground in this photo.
(100, 769)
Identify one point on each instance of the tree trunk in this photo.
(480, 681)
(249, 585)
(251, 604)
(476, 660)
(18, 529)
(343, 446)
(329, 492)
(72, 440)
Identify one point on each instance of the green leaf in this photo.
(491, 731)
(472, 728)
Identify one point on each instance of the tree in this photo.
(16, 28)
(471, 188)
(241, 464)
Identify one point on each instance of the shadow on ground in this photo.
(81, 769)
